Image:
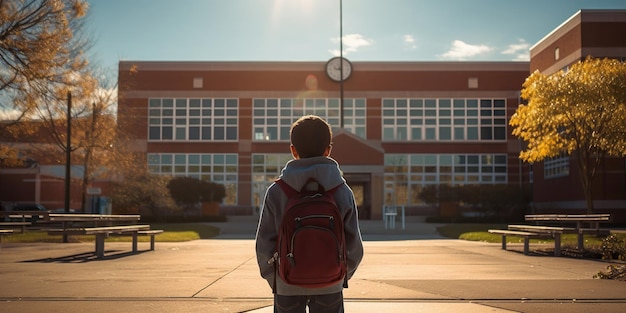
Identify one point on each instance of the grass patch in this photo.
(478, 232)
(455, 230)
(177, 232)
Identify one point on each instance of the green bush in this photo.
(613, 248)
(493, 201)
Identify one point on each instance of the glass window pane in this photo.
(194, 133)
(499, 133)
(445, 133)
(430, 134)
(155, 133)
(459, 133)
(168, 133)
(219, 133)
(416, 103)
(416, 134)
(154, 103)
(486, 133)
(231, 133)
(472, 133)
(388, 134)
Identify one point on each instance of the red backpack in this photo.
(311, 241)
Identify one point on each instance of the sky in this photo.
(309, 30)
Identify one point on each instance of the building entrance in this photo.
(361, 187)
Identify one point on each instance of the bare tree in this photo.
(41, 52)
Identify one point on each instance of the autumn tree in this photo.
(189, 191)
(41, 51)
(140, 189)
(580, 112)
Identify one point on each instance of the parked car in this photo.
(5, 207)
(30, 207)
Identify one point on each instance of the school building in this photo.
(398, 126)
(405, 124)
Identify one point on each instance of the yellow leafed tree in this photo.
(41, 49)
(580, 112)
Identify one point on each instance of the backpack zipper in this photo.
(290, 255)
(330, 218)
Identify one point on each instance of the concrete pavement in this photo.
(411, 270)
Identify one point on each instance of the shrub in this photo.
(613, 248)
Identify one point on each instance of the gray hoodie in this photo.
(295, 173)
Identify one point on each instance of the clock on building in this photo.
(333, 69)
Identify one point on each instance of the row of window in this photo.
(217, 168)
(184, 119)
(556, 167)
(272, 118)
(405, 174)
(216, 119)
(444, 119)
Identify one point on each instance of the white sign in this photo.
(94, 191)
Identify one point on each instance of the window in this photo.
(273, 117)
(407, 174)
(265, 169)
(443, 119)
(556, 167)
(195, 119)
(557, 53)
(198, 82)
(472, 82)
(217, 168)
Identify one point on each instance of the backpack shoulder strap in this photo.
(288, 190)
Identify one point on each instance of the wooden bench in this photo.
(149, 232)
(593, 220)
(102, 233)
(4, 232)
(554, 232)
(523, 234)
(26, 216)
(21, 225)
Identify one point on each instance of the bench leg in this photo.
(100, 245)
(526, 245)
(152, 242)
(557, 244)
(581, 240)
(134, 241)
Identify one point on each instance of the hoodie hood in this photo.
(324, 169)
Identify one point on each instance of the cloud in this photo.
(519, 50)
(409, 41)
(461, 50)
(351, 43)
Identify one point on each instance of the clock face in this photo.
(333, 68)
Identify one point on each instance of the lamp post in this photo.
(68, 157)
(341, 63)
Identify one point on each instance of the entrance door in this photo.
(361, 187)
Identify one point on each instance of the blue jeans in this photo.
(330, 303)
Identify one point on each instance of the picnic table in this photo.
(4, 232)
(592, 220)
(102, 226)
(93, 219)
(21, 219)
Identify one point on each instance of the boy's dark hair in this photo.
(310, 135)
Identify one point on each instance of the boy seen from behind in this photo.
(311, 169)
